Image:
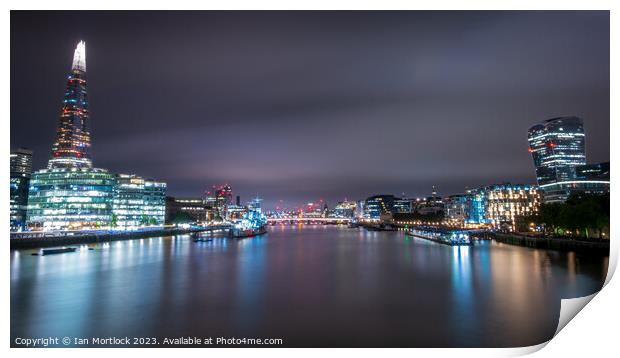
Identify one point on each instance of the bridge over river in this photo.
(308, 220)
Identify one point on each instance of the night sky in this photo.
(300, 106)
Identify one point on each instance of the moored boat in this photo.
(451, 238)
(240, 233)
(60, 250)
(252, 223)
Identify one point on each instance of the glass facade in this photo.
(501, 205)
(559, 192)
(378, 205)
(155, 201)
(558, 151)
(402, 205)
(128, 203)
(597, 171)
(72, 195)
(21, 170)
(71, 149)
(557, 147)
(71, 199)
(345, 209)
(455, 208)
(184, 210)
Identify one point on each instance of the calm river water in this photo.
(311, 286)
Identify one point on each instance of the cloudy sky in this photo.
(300, 106)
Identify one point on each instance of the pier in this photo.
(445, 237)
(47, 239)
(551, 243)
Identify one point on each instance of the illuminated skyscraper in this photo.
(223, 198)
(557, 147)
(558, 151)
(72, 195)
(72, 146)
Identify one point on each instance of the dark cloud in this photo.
(305, 105)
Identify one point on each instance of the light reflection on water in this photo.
(310, 285)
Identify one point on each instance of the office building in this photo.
(137, 202)
(559, 192)
(71, 149)
(558, 147)
(154, 202)
(430, 205)
(377, 206)
(403, 205)
(345, 209)
(455, 209)
(558, 151)
(72, 195)
(71, 199)
(185, 210)
(501, 206)
(21, 170)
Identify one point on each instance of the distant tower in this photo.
(557, 146)
(255, 204)
(72, 146)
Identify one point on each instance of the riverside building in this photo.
(21, 170)
(455, 209)
(72, 195)
(378, 205)
(345, 209)
(71, 199)
(558, 151)
(185, 210)
(557, 146)
(501, 206)
(138, 202)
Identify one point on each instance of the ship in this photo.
(252, 223)
(446, 237)
(239, 233)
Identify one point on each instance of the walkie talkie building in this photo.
(558, 150)
(557, 147)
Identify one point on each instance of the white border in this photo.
(593, 331)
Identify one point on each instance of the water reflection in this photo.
(310, 285)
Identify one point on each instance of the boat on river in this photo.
(249, 232)
(252, 223)
(381, 227)
(446, 237)
(58, 250)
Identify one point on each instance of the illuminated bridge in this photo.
(308, 220)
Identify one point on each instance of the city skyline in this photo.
(326, 146)
(315, 179)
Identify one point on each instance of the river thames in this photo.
(311, 286)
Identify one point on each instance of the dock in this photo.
(29, 240)
(441, 241)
